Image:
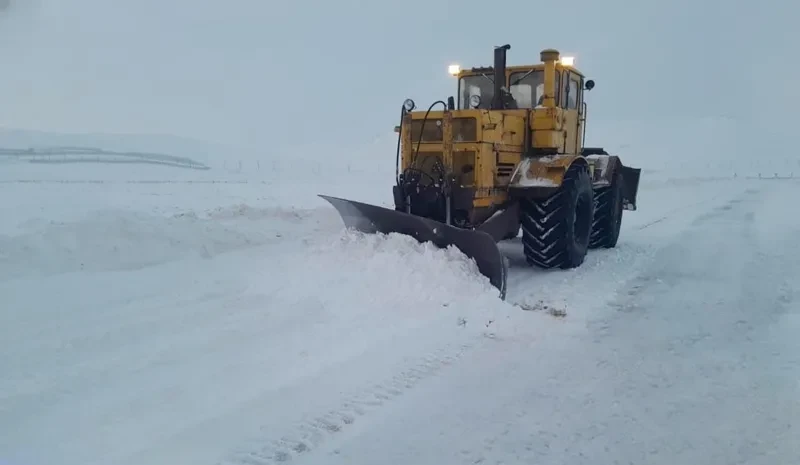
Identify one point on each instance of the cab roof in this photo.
(516, 69)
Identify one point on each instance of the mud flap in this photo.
(477, 245)
(630, 186)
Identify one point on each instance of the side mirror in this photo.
(451, 103)
(589, 84)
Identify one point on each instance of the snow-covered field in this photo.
(154, 315)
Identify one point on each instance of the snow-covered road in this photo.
(253, 334)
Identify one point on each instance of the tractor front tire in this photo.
(555, 230)
(607, 214)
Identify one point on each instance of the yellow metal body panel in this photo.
(544, 171)
(495, 142)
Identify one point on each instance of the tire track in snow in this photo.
(312, 433)
(680, 209)
(723, 209)
(642, 281)
(630, 294)
(677, 210)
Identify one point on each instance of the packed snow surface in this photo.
(234, 321)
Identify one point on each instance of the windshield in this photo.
(481, 85)
(527, 88)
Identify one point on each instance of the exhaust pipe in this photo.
(498, 102)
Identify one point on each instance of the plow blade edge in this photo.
(477, 245)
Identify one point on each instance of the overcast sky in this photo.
(258, 72)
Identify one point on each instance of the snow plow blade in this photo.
(476, 245)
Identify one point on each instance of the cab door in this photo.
(570, 102)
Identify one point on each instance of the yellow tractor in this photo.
(509, 154)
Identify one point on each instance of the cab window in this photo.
(480, 85)
(571, 92)
(527, 88)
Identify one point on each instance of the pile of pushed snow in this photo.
(405, 269)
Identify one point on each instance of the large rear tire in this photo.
(607, 214)
(555, 230)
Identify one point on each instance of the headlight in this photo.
(568, 61)
(474, 101)
(409, 104)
